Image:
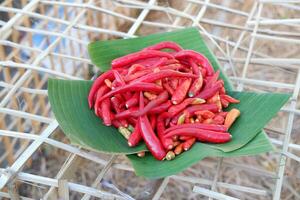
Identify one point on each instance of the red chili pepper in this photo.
(102, 90)
(229, 99)
(206, 114)
(181, 91)
(160, 128)
(175, 109)
(116, 123)
(199, 58)
(135, 136)
(166, 85)
(223, 114)
(174, 83)
(116, 106)
(184, 138)
(219, 119)
(106, 113)
(195, 108)
(202, 135)
(130, 58)
(175, 67)
(97, 84)
(161, 98)
(196, 86)
(209, 92)
(165, 45)
(152, 142)
(151, 77)
(212, 80)
(211, 127)
(135, 68)
(119, 78)
(224, 103)
(151, 87)
(132, 101)
(136, 75)
(161, 108)
(194, 66)
(188, 144)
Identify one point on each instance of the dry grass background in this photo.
(257, 171)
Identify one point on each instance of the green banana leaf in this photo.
(69, 104)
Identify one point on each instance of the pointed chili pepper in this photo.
(118, 78)
(166, 85)
(130, 58)
(184, 138)
(212, 80)
(181, 91)
(209, 92)
(229, 99)
(173, 83)
(115, 104)
(136, 75)
(135, 136)
(126, 113)
(231, 117)
(165, 45)
(102, 90)
(195, 108)
(97, 84)
(197, 57)
(196, 86)
(133, 100)
(160, 128)
(106, 113)
(179, 149)
(211, 127)
(135, 68)
(150, 96)
(224, 103)
(133, 87)
(152, 142)
(206, 114)
(152, 119)
(188, 144)
(202, 135)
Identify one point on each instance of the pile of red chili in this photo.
(168, 99)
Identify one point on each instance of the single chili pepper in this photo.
(194, 66)
(151, 77)
(130, 58)
(224, 103)
(209, 92)
(170, 155)
(195, 108)
(97, 84)
(135, 68)
(161, 98)
(153, 121)
(181, 91)
(150, 96)
(210, 127)
(166, 85)
(196, 86)
(150, 62)
(106, 114)
(231, 117)
(165, 45)
(203, 72)
(115, 104)
(179, 149)
(197, 57)
(135, 136)
(206, 114)
(212, 80)
(188, 144)
(161, 108)
(125, 132)
(160, 62)
(108, 83)
(102, 90)
(202, 135)
(229, 99)
(218, 119)
(114, 84)
(160, 128)
(175, 109)
(174, 83)
(133, 100)
(133, 87)
(126, 113)
(118, 78)
(152, 142)
(175, 67)
(170, 61)
(223, 91)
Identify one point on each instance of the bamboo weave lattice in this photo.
(256, 42)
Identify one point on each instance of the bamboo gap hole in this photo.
(272, 66)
